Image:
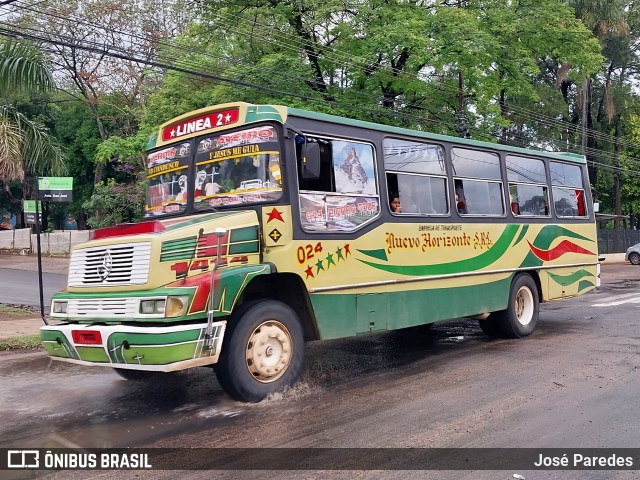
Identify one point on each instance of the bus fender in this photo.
(231, 282)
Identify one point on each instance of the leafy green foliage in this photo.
(113, 203)
(21, 68)
(25, 144)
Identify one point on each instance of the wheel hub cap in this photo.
(269, 351)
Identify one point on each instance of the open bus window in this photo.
(167, 185)
(344, 196)
(529, 200)
(238, 168)
(416, 171)
(528, 192)
(568, 190)
(569, 202)
(481, 192)
(478, 197)
(419, 194)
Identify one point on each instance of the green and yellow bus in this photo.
(267, 227)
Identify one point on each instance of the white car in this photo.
(633, 254)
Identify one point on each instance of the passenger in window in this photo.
(394, 202)
(461, 202)
(515, 206)
(580, 202)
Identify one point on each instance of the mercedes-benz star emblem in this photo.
(104, 269)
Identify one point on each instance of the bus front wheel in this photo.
(521, 316)
(262, 351)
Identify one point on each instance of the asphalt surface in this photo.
(572, 384)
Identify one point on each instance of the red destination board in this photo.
(201, 123)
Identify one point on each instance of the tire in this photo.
(490, 326)
(262, 352)
(521, 316)
(634, 258)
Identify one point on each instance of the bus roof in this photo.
(251, 113)
(573, 157)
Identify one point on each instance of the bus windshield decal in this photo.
(167, 180)
(238, 168)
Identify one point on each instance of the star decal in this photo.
(324, 264)
(275, 214)
(330, 260)
(309, 272)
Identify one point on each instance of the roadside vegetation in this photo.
(22, 342)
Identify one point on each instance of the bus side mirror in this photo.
(310, 163)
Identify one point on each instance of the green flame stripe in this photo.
(565, 280)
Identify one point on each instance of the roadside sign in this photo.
(55, 189)
(29, 208)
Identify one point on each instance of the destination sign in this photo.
(201, 123)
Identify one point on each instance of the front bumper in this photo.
(163, 349)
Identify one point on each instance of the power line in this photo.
(291, 40)
(192, 72)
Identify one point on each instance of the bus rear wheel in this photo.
(262, 352)
(521, 316)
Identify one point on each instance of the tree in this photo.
(26, 146)
(100, 50)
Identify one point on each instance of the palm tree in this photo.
(25, 146)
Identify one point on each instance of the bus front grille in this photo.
(103, 307)
(110, 265)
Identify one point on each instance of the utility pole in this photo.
(586, 97)
(461, 121)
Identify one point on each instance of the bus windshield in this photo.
(235, 168)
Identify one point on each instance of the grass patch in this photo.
(16, 311)
(25, 342)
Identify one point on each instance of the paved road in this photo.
(19, 279)
(573, 383)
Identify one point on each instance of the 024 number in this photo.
(306, 252)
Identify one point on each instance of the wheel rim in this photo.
(524, 306)
(269, 351)
(634, 258)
